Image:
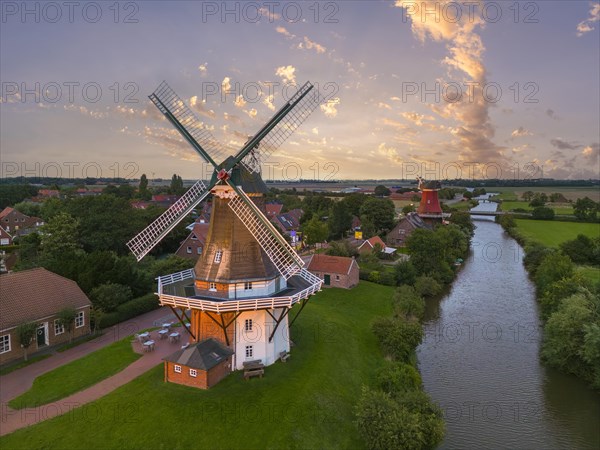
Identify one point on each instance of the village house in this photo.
(368, 245)
(289, 223)
(200, 365)
(18, 224)
(273, 209)
(335, 271)
(5, 237)
(38, 295)
(403, 229)
(193, 245)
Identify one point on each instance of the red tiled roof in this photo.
(34, 294)
(371, 242)
(6, 211)
(273, 208)
(330, 264)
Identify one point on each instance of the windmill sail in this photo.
(146, 240)
(307, 99)
(186, 122)
(281, 254)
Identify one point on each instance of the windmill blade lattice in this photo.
(281, 254)
(147, 239)
(285, 127)
(167, 101)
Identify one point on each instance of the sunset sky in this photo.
(375, 57)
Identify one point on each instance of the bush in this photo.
(132, 308)
(542, 213)
(398, 338)
(394, 378)
(534, 255)
(387, 424)
(405, 273)
(427, 286)
(582, 250)
(408, 303)
(554, 267)
(107, 297)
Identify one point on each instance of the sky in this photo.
(438, 89)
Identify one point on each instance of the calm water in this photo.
(479, 359)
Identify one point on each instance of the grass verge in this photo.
(77, 375)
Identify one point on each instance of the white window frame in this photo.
(218, 256)
(337, 278)
(177, 368)
(5, 346)
(249, 351)
(199, 250)
(193, 373)
(59, 328)
(212, 286)
(80, 314)
(248, 324)
(248, 285)
(189, 249)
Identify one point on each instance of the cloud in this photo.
(550, 113)
(585, 26)
(252, 113)
(315, 130)
(226, 84)
(200, 107)
(203, 68)
(239, 101)
(268, 101)
(311, 45)
(286, 33)
(592, 153)
(389, 152)
(519, 132)
(416, 118)
(383, 105)
(465, 48)
(287, 73)
(330, 108)
(232, 118)
(268, 13)
(564, 145)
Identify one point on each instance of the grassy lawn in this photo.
(552, 233)
(506, 196)
(307, 402)
(461, 206)
(77, 375)
(560, 208)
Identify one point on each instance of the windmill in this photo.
(248, 278)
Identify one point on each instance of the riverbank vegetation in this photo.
(568, 295)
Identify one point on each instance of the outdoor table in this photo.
(148, 346)
(163, 333)
(174, 337)
(167, 325)
(143, 336)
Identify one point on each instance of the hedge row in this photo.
(130, 309)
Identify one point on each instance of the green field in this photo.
(77, 375)
(560, 208)
(307, 402)
(552, 233)
(570, 192)
(590, 273)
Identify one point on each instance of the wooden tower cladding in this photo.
(430, 203)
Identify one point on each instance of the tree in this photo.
(66, 318)
(340, 220)
(382, 191)
(537, 200)
(527, 195)
(405, 273)
(463, 220)
(396, 377)
(534, 255)
(408, 209)
(143, 187)
(341, 248)
(557, 292)
(554, 267)
(586, 209)
(468, 195)
(557, 197)
(398, 337)
(25, 334)
(542, 213)
(408, 304)
(60, 237)
(176, 187)
(582, 249)
(507, 221)
(315, 231)
(29, 209)
(429, 255)
(427, 286)
(354, 202)
(590, 351)
(110, 295)
(379, 211)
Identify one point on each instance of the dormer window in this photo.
(212, 287)
(218, 256)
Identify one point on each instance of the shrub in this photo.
(398, 338)
(427, 286)
(109, 296)
(554, 267)
(132, 308)
(408, 303)
(395, 377)
(405, 273)
(582, 249)
(542, 213)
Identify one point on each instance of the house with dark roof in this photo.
(289, 223)
(335, 271)
(403, 229)
(18, 224)
(37, 295)
(200, 365)
(193, 246)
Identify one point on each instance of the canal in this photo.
(479, 358)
